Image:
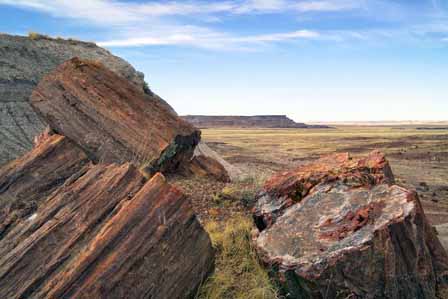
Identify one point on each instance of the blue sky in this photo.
(314, 60)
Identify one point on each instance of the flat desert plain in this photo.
(419, 157)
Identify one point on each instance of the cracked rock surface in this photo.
(340, 228)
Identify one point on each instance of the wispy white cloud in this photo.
(143, 24)
(127, 24)
(327, 6)
(110, 11)
(199, 37)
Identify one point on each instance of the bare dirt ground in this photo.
(419, 158)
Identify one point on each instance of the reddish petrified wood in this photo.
(285, 189)
(112, 119)
(27, 181)
(107, 234)
(352, 235)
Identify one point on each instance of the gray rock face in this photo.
(442, 231)
(23, 62)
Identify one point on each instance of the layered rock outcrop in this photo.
(23, 63)
(111, 119)
(340, 228)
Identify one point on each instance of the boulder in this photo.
(206, 162)
(285, 189)
(206, 166)
(340, 228)
(27, 181)
(111, 119)
(23, 63)
(106, 233)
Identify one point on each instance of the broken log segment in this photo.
(107, 234)
(352, 234)
(111, 119)
(288, 188)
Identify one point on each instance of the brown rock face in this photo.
(111, 119)
(27, 181)
(338, 228)
(106, 233)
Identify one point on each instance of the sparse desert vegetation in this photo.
(238, 272)
(419, 159)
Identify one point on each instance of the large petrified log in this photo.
(285, 189)
(107, 233)
(342, 230)
(111, 119)
(23, 63)
(27, 181)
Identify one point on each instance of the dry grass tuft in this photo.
(238, 273)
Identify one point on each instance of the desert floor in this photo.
(419, 158)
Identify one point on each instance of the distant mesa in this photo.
(238, 121)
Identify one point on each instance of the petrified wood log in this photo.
(285, 189)
(107, 234)
(352, 235)
(112, 119)
(27, 181)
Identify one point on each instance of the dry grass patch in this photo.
(238, 273)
